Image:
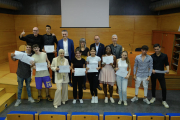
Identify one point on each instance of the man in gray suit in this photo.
(116, 48)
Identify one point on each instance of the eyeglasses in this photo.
(35, 30)
(96, 39)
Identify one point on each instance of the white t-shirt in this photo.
(122, 64)
(95, 59)
(65, 45)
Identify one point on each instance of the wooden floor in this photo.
(9, 82)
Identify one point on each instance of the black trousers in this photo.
(162, 82)
(50, 58)
(94, 82)
(77, 81)
(67, 57)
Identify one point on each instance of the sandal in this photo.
(49, 98)
(39, 99)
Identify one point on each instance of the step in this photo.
(2, 91)
(2, 118)
(7, 98)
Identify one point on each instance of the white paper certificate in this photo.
(79, 71)
(108, 59)
(41, 66)
(64, 69)
(92, 67)
(49, 48)
(160, 71)
(19, 55)
(27, 59)
(122, 72)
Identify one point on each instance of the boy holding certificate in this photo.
(92, 74)
(42, 73)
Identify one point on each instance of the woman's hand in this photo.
(87, 68)
(103, 64)
(98, 68)
(127, 77)
(111, 64)
(116, 69)
(73, 70)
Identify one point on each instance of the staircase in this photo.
(6, 99)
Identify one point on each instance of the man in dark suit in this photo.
(116, 48)
(99, 49)
(68, 46)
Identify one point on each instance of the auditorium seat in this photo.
(173, 116)
(84, 116)
(148, 116)
(46, 115)
(117, 116)
(2, 118)
(22, 48)
(22, 115)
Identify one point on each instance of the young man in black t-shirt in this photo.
(23, 73)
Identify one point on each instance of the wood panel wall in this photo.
(8, 42)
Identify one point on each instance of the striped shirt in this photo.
(144, 69)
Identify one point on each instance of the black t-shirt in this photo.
(49, 39)
(78, 63)
(85, 51)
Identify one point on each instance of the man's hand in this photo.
(153, 71)
(167, 72)
(12, 54)
(73, 71)
(48, 65)
(32, 62)
(23, 33)
(53, 34)
(148, 78)
(134, 77)
(43, 50)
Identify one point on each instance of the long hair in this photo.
(82, 40)
(127, 59)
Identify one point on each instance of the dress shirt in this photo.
(65, 45)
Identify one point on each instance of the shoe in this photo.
(74, 101)
(55, 106)
(99, 88)
(18, 102)
(134, 99)
(106, 100)
(146, 101)
(39, 99)
(112, 100)
(96, 99)
(84, 88)
(119, 102)
(80, 100)
(49, 98)
(165, 104)
(125, 103)
(92, 100)
(152, 100)
(30, 99)
(70, 84)
(63, 103)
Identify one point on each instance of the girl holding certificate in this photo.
(93, 61)
(77, 79)
(123, 76)
(107, 74)
(61, 79)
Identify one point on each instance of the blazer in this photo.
(53, 68)
(100, 49)
(118, 50)
(70, 47)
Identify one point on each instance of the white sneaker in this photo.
(106, 100)
(146, 101)
(80, 100)
(63, 103)
(96, 99)
(125, 103)
(74, 101)
(18, 102)
(30, 99)
(134, 99)
(92, 100)
(119, 102)
(165, 104)
(152, 100)
(55, 106)
(112, 100)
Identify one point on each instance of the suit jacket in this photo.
(100, 49)
(70, 47)
(118, 50)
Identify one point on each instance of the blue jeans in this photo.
(20, 86)
(122, 87)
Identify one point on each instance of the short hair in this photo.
(82, 40)
(35, 45)
(156, 45)
(77, 49)
(92, 48)
(96, 35)
(64, 31)
(106, 47)
(48, 26)
(28, 44)
(114, 35)
(145, 47)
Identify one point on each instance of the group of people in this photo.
(144, 68)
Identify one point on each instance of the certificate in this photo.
(160, 71)
(41, 66)
(27, 59)
(122, 72)
(19, 55)
(64, 69)
(108, 59)
(79, 71)
(92, 67)
(49, 48)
